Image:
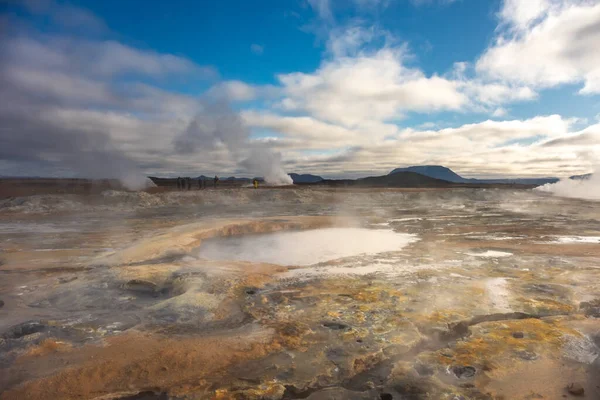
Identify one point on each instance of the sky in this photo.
(339, 88)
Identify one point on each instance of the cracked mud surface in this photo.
(496, 296)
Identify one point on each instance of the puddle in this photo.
(577, 239)
(305, 247)
(490, 254)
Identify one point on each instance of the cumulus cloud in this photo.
(545, 43)
(367, 77)
(350, 90)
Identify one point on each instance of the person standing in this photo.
(215, 181)
(255, 183)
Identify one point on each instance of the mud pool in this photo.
(300, 293)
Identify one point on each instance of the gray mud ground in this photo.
(107, 296)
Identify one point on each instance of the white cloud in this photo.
(499, 112)
(370, 86)
(349, 41)
(66, 15)
(427, 125)
(590, 136)
(366, 77)
(305, 131)
(489, 94)
(97, 57)
(112, 57)
(233, 91)
(238, 91)
(257, 48)
(322, 8)
(546, 43)
(521, 14)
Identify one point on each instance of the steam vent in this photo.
(300, 293)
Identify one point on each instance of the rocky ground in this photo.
(496, 296)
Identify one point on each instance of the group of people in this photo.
(186, 183)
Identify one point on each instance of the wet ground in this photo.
(300, 293)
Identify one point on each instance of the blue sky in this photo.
(340, 88)
(222, 33)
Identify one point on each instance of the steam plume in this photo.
(217, 127)
(586, 188)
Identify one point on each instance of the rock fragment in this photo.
(464, 372)
(576, 389)
(24, 329)
(591, 308)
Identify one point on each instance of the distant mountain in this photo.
(403, 179)
(305, 178)
(399, 179)
(444, 173)
(584, 176)
(434, 171)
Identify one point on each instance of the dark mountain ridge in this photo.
(581, 177)
(305, 178)
(445, 173)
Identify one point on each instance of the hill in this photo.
(305, 178)
(399, 179)
(445, 173)
(403, 179)
(434, 171)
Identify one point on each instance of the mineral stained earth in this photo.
(300, 294)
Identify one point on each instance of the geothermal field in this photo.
(300, 293)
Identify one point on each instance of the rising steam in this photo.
(267, 163)
(585, 188)
(218, 127)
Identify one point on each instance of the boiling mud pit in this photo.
(300, 293)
